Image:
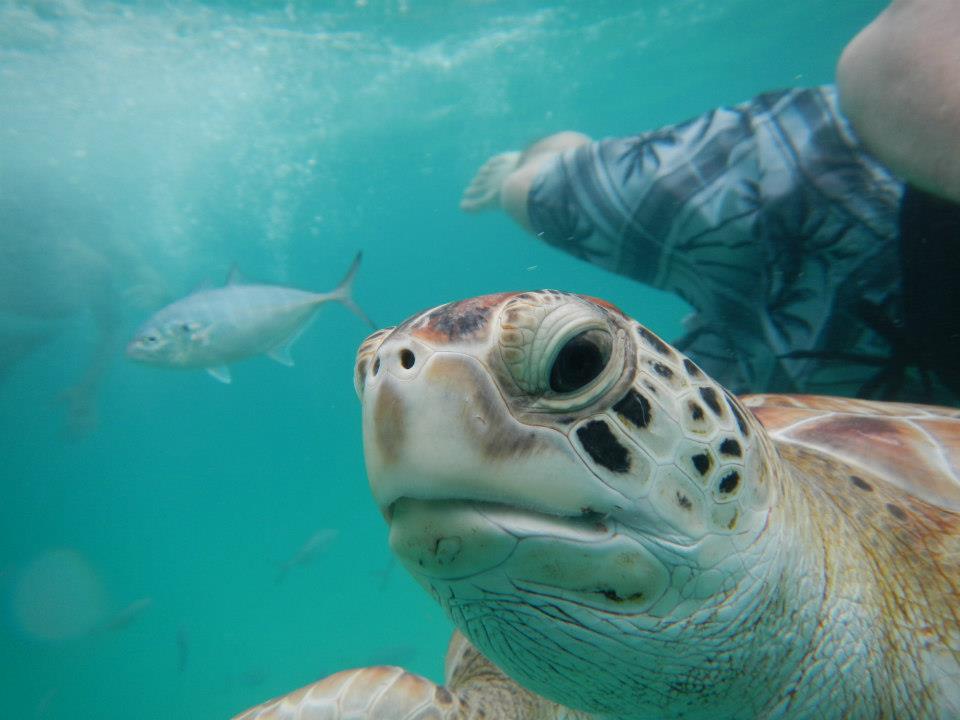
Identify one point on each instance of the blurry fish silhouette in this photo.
(42, 709)
(317, 543)
(128, 615)
(183, 648)
(384, 574)
(212, 328)
(65, 265)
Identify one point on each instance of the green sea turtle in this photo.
(616, 536)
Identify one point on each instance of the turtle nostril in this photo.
(376, 365)
(407, 359)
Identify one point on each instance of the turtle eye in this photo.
(581, 359)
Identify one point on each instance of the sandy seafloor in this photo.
(165, 141)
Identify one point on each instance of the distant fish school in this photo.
(212, 328)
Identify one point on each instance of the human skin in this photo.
(504, 180)
(899, 84)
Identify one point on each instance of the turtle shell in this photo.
(913, 447)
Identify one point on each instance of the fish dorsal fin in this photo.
(235, 277)
(221, 373)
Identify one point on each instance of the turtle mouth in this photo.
(489, 549)
(587, 518)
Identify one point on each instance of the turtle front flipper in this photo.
(475, 689)
(385, 693)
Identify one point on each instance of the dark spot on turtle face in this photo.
(683, 501)
(566, 420)
(662, 370)
(650, 386)
(454, 321)
(635, 408)
(459, 321)
(741, 420)
(601, 445)
(861, 483)
(696, 412)
(731, 447)
(729, 482)
(692, 369)
(407, 358)
(442, 696)
(376, 365)
(611, 594)
(653, 341)
(702, 462)
(898, 512)
(709, 396)
(588, 513)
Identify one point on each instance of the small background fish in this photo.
(316, 544)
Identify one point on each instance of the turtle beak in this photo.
(435, 427)
(398, 409)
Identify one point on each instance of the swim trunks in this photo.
(768, 218)
(929, 336)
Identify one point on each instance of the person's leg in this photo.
(899, 83)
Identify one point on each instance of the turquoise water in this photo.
(148, 147)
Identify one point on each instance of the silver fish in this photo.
(212, 328)
(317, 543)
(130, 613)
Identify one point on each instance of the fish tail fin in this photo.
(343, 292)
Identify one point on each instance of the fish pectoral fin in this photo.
(281, 353)
(221, 373)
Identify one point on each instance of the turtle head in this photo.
(556, 476)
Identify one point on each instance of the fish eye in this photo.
(580, 361)
(185, 327)
(150, 338)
